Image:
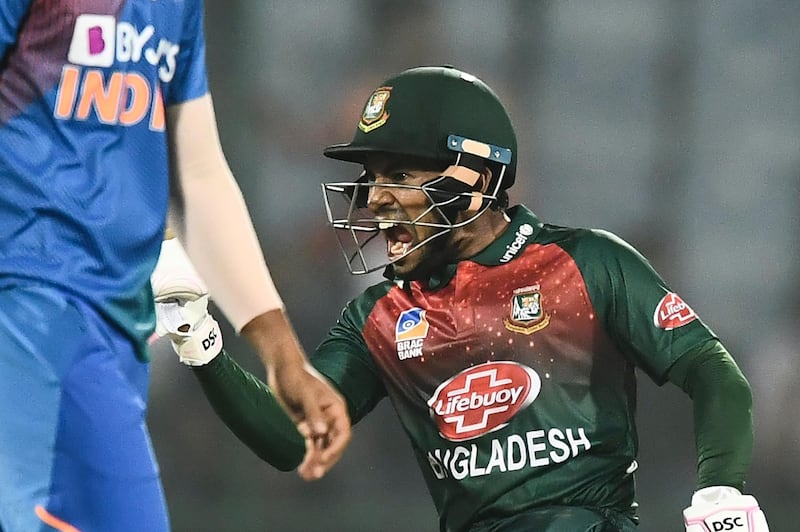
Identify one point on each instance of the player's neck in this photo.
(474, 237)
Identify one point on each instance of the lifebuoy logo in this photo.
(672, 312)
(124, 97)
(482, 399)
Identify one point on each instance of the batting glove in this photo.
(724, 509)
(181, 300)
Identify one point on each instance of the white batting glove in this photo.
(724, 509)
(181, 300)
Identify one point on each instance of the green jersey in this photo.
(513, 372)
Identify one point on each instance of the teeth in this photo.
(385, 225)
(398, 248)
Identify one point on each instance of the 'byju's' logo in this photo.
(93, 40)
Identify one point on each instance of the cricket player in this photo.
(507, 346)
(97, 101)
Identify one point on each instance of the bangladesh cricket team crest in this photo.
(375, 113)
(527, 312)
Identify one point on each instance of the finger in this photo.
(315, 417)
(311, 469)
(304, 430)
(338, 436)
(323, 452)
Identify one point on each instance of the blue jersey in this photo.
(83, 149)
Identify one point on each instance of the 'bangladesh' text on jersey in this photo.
(513, 372)
(84, 165)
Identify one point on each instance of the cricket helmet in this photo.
(419, 110)
(439, 114)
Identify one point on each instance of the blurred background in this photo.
(674, 124)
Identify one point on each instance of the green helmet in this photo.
(435, 113)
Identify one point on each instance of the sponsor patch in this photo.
(411, 324)
(410, 331)
(375, 114)
(671, 312)
(521, 236)
(482, 399)
(93, 40)
(123, 95)
(527, 313)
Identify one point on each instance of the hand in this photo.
(724, 509)
(319, 412)
(182, 307)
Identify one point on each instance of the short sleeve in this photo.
(191, 77)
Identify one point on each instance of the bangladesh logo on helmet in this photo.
(375, 113)
(482, 399)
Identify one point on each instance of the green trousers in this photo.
(559, 519)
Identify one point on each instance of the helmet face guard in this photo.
(357, 229)
(439, 114)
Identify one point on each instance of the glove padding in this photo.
(724, 509)
(182, 307)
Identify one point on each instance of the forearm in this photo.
(212, 219)
(274, 339)
(722, 405)
(249, 409)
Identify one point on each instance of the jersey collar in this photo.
(522, 230)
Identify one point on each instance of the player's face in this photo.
(406, 203)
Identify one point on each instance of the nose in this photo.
(379, 197)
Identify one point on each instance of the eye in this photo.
(399, 177)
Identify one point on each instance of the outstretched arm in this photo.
(250, 410)
(317, 409)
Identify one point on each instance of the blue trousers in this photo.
(75, 453)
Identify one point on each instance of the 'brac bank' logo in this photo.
(482, 399)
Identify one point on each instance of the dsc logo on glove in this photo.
(737, 522)
(211, 339)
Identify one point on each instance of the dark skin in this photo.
(407, 204)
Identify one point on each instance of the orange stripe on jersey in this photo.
(53, 521)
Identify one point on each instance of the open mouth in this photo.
(398, 239)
